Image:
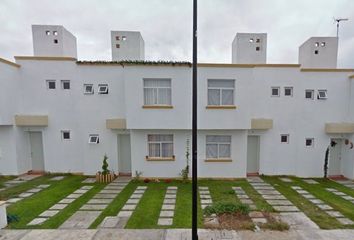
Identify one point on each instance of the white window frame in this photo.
(63, 82)
(157, 92)
(105, 86)
(312, 142)
(287, 138)
(221, 89)
(271, 93)
(322, 91)
(51, 81)
(218, 146)
(88, 92)
(289, 88)
(312, 94)
(62, 135)
(91, 139)
(161, 144)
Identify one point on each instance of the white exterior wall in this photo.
(8, 163)
(132, 48)
(244, 49)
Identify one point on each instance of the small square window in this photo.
(94, 139)
(88, 89)
(124, 38)
(284, 138)
(322, 94)
(47, 33)
(51, 84)
(275, 91)
(117, 45)
(65, 135)
(316, 51)
(288, 91)
(309, 142)
(317, 44)
(102, 89)
(258, 40)
(65, 84)
(117, 38)
(55, 33)
(323, 44)
(309, 94)
(251, 40)
(55, 41)
(258, 48)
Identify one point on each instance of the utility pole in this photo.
(338, 20)
(194, 129)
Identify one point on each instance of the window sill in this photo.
(157, 106)
(221, 107)
(160, 159)
(218, 160)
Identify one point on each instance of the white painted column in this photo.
(3, 216)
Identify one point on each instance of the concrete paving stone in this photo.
(169, 201)
(302, 192)
(339, 193)
(242, 196)
(316, 201)
(66, 200)
(109, 222)
(254, 179)
(259, 220)
(58, 206)
(349, 198)
(308, 196)
(136, 234)
(13, 200)
(236, 188)
(74, 195)
(166, 213)
(25, 194)
(94, 207)
(253, 207)
(298, 221)
(165, 221)
(203, 188)
(171, 196)
(113, 188)
(274, 197)
(324, 207)
(331, 190)
(141, 187)
(168, 207)
(286, 179)
(48, 213)
(139, 191)
(204, 201)
(296, 187)
(255, 214)
(280, 202)
(100, 201)
(286, 208)
(129, 207)
(57, 178)
(168, 191)
(37, 221)
(105, 195)
(80, 191)
(269, 192)
(86, 187)
(345, 221)
(204, 192)
(89, 180)
(35, 190)
(246, 201)
(110, 191)
(263, 188)
(310, 181)
(125, 213)
(43, 186)
(80, 220)
(261, 184)
(136, 196)
(205, 197)
(334, 214)
(133, 201)
(172, 187)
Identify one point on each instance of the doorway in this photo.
(124, 158)
(335, 156)
(36, 147)
(252, 155)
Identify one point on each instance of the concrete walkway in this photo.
(172, 234)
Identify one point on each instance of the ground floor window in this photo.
(160, 145)
(218, 146)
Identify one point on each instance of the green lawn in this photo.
(3, 179)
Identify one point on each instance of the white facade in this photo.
(150, 105)
(127, 45)
(249, 48)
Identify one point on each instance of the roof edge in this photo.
(9, 63)
(45, 58)
(327, 70)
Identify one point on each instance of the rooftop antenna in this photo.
(338, 20)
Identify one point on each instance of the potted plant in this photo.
(105, 176)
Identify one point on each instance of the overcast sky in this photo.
(166, 26)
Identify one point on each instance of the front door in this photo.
(334, 165)
(36, 146)
(124, 161)
(252, 154)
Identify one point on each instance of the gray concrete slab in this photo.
(286, 208)
(66, 200)
(110, 191)
(280, 202)
(49, 213)
(13, 200)
(58, 206)
(35, 190)
(37, 221)
(136, 196)
(169, 201)
(89, 180)
(298, 220)
(100, 201)
(165, 221)
(268, 192)
(49, 234)
(79, 191)
(86, 187)
(122, 234)
(274, 197)
(168, 207)
(80, 220)
(57, 178)
(110, 222)
(94, 207)
(74, 195)
(43, 186)
(25, 195)
(324, 207)
(310, 181)
(129, 207)
(125, 213)
(105, 195)
(345, 221)
(285, 179)
(316, 201)
(166, 213)
(334, 214)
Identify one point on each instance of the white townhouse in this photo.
(58, 114)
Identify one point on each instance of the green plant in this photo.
(185, 171)
(227, 207)
(105, 170)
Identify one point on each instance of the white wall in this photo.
(132, 48)
(244, 50)
(8, 164)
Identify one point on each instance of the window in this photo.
(317, 44)
(316, 51)
(322, 94)
(258, 40)
(102, 88)
(55, 41)
(288, 91)
(47, 33)
(251, 40)
(65, 135)
(157, 92)
(51, 84)
(323, 44)
(124, 38)
(218, 146)
(65, 84)
(309, 94)
(284, 138)
(221, 92)
(275, 91)
(88, 88)
(117, 45)
(117, 38)
(160, 145)
(309, 142)
(55, 33)
(94, 138)
(258, 48)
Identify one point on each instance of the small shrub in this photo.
(105, 170)
(12, 218)
(276, 225)
(147, 180)
(168, 180)
(227, 207)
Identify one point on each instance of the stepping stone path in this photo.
(18, 180)
(205, 198)
(286, 179)
(244, 198)
(272, 196)
(341, 194)
(168, 207)
(88, 213)
(56, 208)
(336, 214)
(57, 178)
(310, 181)
(26, 194)
(347, 183)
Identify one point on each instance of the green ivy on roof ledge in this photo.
(137, 62)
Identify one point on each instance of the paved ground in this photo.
(172, 234)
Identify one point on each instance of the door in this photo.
(252, 154)
(124, 161)
(36, 146)
(334, 165)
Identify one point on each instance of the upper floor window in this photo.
(160, 145)
(55, 33)
(221, 92)
(65, 84)
(309, 93)
(218, 146)
(288, 91)
(88, 89)
(47, 33)
(102, 88)
(275, 91)
(157, 92)
(65, 134)
(51, 84)
(284, 138)
(322, 94)
(94, 138)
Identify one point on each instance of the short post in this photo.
(3, 216)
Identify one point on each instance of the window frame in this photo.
(291, 93)
(318, 94)
(51, 81)
(287, 138)
(62, 135)
(271, 93)
(156, 97)
(86, 92)
(91, 136)
(218, 147)
(99, 89)
(312, 142)
(221, 89)
(160, 157)
(312, 94)
(63, 82)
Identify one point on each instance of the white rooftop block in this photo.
(127, 45)
(249, 48)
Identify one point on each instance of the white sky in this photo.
(166, 26)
